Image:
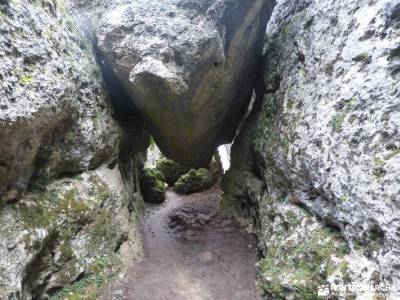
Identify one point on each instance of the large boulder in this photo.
(152, 184)
(171, 170)
(319, 157)
(189, 66)
(194, 181)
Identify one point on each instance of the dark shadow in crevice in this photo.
(37, 268)
(124, 110)
(135, 139)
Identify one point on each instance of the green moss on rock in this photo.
(170, 170)
(297, 265)
(194, 181)
(152, 185)
(102, 271)
(337, 121)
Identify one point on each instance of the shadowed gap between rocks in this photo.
(129, 117)
(125, 111)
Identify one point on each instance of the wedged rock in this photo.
(189, 66)
(324, 137)
(55, 118)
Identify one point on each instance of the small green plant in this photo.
(357, 245)
(363, 57)
(70, 136)
(151, 141)
(103, 271)
(379, 170)
(39, 183)
(344, 269)
(393, 153)
(379, 162)
(26, 79)
(337, 121)
(285, 30)
(78, 177)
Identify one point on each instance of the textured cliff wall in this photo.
(69, 172)
(317, 164)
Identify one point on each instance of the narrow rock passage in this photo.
(191, 252)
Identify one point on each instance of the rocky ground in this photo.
(191, 252)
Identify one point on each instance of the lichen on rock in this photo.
(55, 116)
(51, 238)
(322, 137)
(69, 170)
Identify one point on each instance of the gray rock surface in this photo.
(54, 114)
(324, 137)
(56, 122)
(189, 66)
(71, 229)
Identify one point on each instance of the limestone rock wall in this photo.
(52, 238)
(54, 114)
(322, 147)
(69, 165)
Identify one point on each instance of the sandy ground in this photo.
(191, 252)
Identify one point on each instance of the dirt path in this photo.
(191, 253)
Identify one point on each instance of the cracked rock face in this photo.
(55, 121)
(188, 65)
(51, 238)
(325, 137)
(55, 117)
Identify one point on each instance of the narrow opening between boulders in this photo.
(125, 111)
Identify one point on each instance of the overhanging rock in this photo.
(189, 66)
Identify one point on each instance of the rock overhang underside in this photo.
(189, 67)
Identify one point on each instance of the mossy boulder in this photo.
(152, 184)
(194, 181)
(171, 170)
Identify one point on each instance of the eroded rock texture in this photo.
(321, 149)
(56, 123)
(54, 115)
(189, 66)
(66, 232)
